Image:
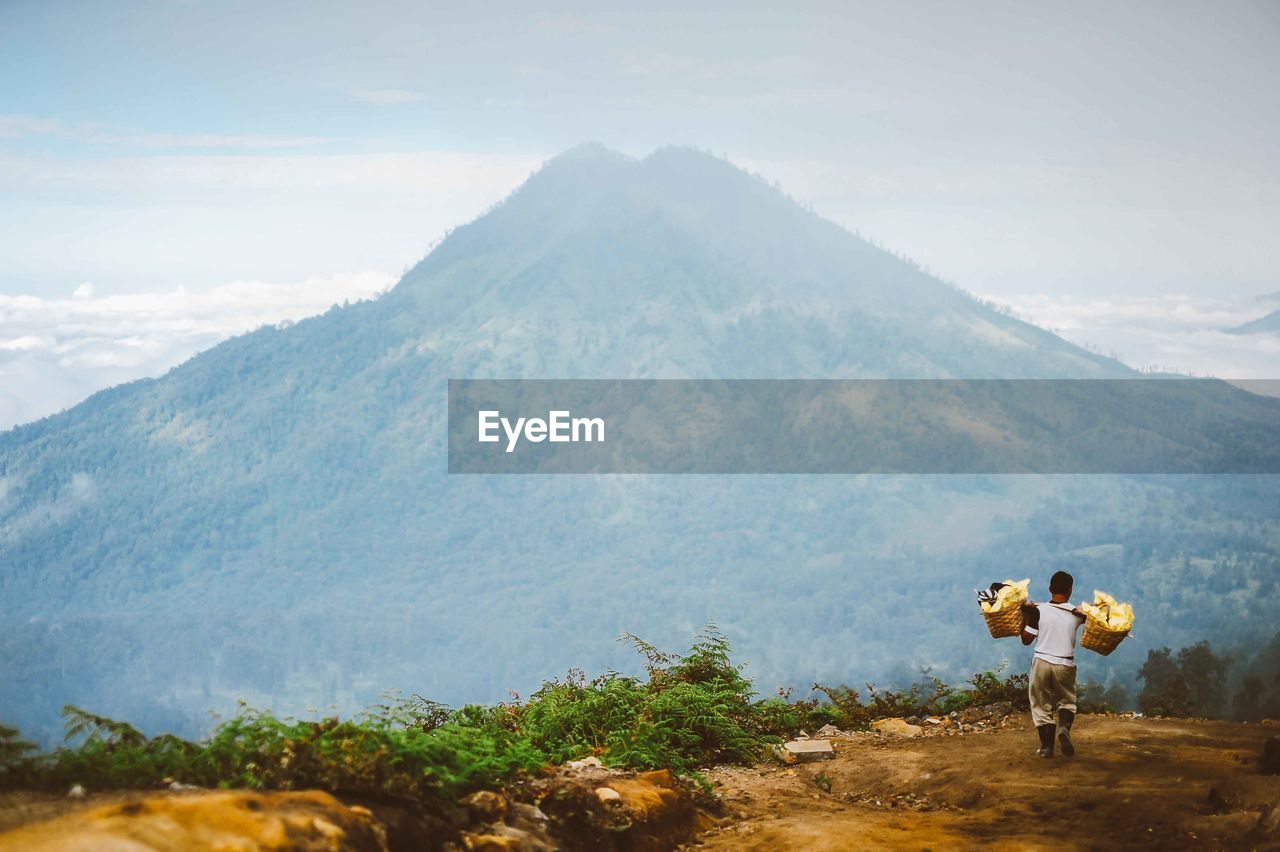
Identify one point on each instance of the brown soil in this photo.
(1134, 783)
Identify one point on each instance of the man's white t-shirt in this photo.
(1056, 638)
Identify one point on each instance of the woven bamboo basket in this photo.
(1007, 621)
(1099, 638)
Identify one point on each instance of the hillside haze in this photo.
(272, 520)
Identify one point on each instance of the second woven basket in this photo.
(1098, 638)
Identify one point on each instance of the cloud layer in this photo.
(1174, 333)
(99, 133)
(55, 352)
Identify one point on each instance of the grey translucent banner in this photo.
(1129, 426)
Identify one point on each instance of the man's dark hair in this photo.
(1061, 583)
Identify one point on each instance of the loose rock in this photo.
(896, 727)
(485, 806)
(807, 750)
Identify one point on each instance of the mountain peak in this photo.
(590, 158)
(593, 159)
(596, 150)
(591, 150)
(688, 155)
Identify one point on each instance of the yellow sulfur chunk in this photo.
(1107, 612)
(1013, 594)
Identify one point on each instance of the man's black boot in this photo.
(1046, 740)
(1065, 718)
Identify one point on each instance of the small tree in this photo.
(14, 759)
(1259, 694)
(1191, 683)
(1247, 705)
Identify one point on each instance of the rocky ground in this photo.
(971, 781)
(1134, 783)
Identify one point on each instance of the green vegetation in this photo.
(1259, 694)
(1197, 681)
(690, 711)
(1093, 697)
(1192, 682)
(845, 708)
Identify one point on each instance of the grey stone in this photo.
(806, 750)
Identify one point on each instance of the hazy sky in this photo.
(1081, 147)
(1024, 150)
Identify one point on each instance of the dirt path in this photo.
(1134, 783)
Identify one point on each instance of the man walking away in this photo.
(1052, 687)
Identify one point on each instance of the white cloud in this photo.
(1180, 333)
(287, 177)
(27, 343)
(573, 25)
(662, 63)
(13, 126)
(1118, 175)
(92, 132)
(203, 140)
(388, 96)
(54, 352)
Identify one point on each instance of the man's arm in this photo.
(1031, 613)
